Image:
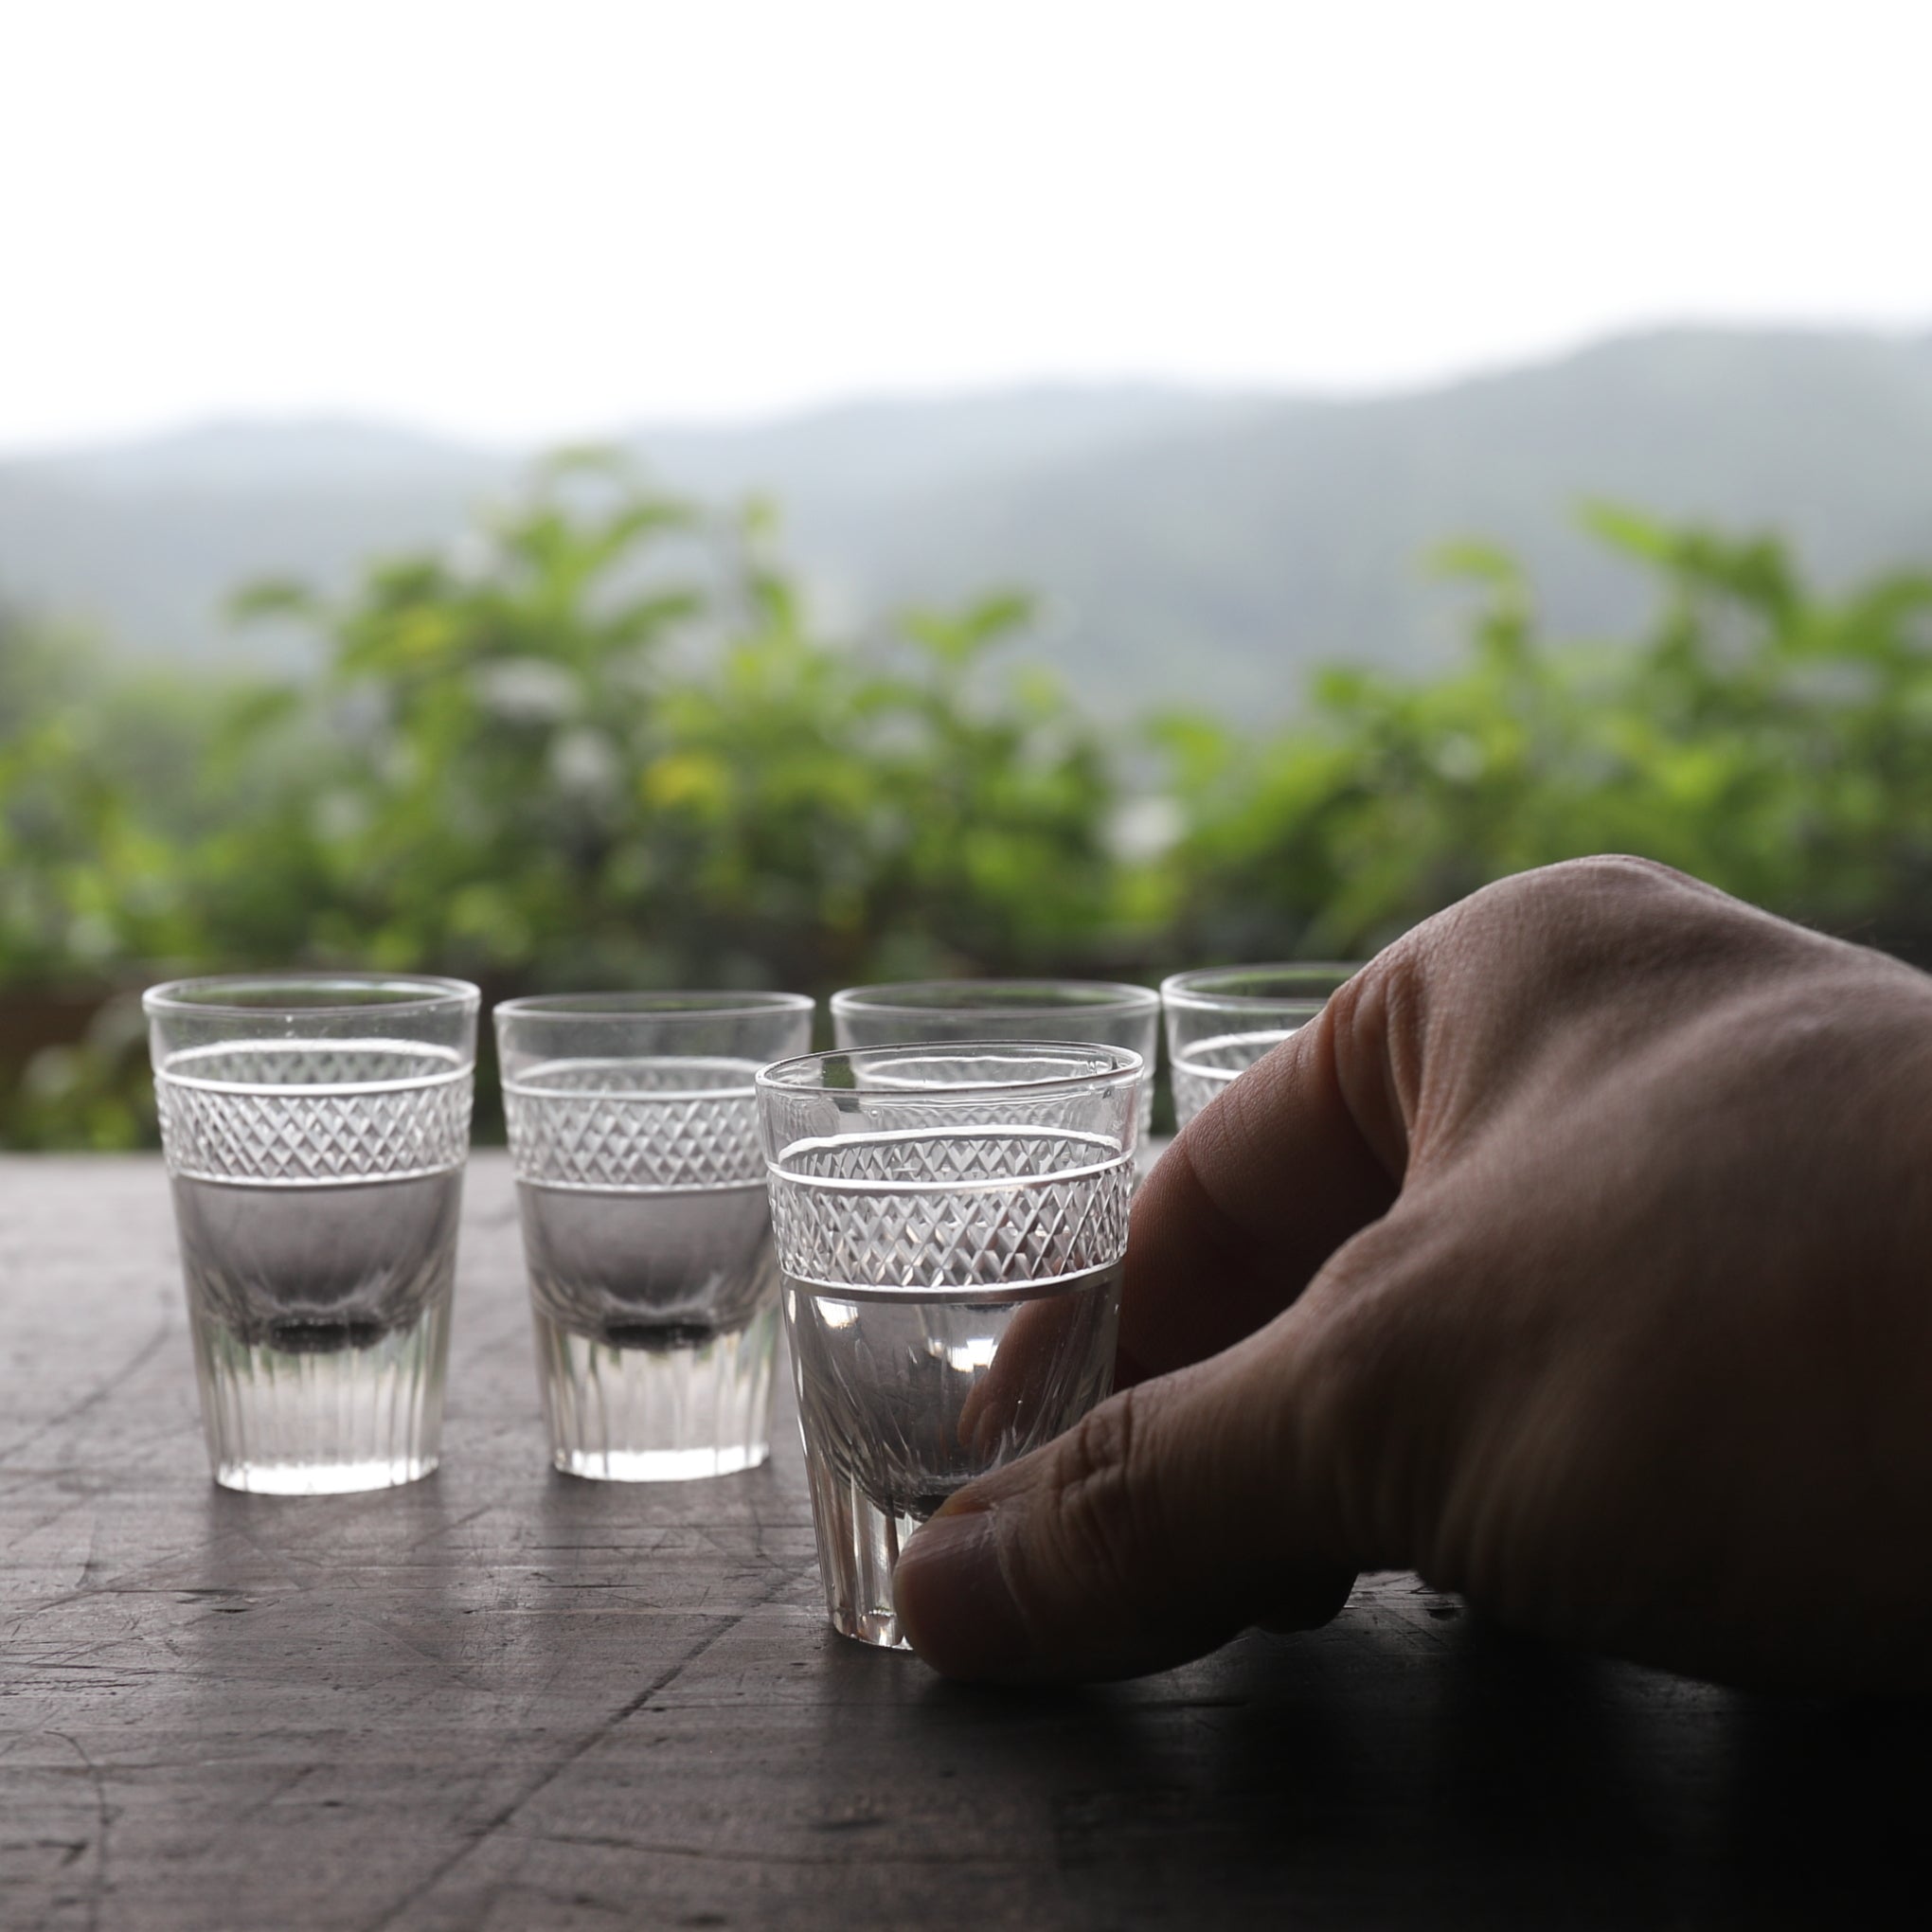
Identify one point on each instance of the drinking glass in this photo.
(1100, 1012)
(1221, 1020)
(316, 1130)
(641, 1190)
(950, 1222)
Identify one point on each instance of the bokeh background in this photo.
(651, 496)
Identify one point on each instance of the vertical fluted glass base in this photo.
(858, 1546)
(658, 1414)
(323, 1420)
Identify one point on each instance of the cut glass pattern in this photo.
(670, 1124)
(941, 1211)
(296, 1112)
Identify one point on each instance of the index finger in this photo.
(1262, 1186)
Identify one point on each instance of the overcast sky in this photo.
(518, 221)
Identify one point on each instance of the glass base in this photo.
(659, 1415)
(858, 1547)
(323, 1421)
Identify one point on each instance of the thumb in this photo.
(1168, 1519)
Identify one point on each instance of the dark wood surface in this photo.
(502, 1699)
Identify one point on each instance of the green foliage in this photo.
(1772, 740)
(96, 809)
(600, 742)
(596, 742)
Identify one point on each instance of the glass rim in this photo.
(1115, 998)
(1126, 1064)
(1197, 988)
(672, 1006)
(402, 994)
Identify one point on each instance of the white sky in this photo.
(516, 222)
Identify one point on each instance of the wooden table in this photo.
(500, 1698)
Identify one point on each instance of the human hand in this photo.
(1578, 1256)
(1037, 1373)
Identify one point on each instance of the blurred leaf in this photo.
(1478, 562)
(274, 596)
(1629, 530)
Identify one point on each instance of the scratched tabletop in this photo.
(500, 1698)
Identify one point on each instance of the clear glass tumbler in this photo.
(950, 1223)
(1223, 1019)
(640, 1185)
(316, 1130)
(1100, 1013)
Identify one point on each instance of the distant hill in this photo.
(1188, 548)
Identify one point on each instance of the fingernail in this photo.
(953, 1600)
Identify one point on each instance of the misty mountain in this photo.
(1187, 547)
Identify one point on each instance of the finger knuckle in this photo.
(1098, 1477)
(1367, 1371)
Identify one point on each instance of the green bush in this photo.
(600, 742)
(596, 744)
(602, 745)
(1774, 742)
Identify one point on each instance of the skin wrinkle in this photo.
(1233, 1259)
(1242, 1561)
(1542, 1347)
(1400, 1023)
(1802, 1036)
(1399, 1358)
(1227, 1224)
(1101, 1452)
(1631, 1359)
(1368, 1084)
(1074, 1466)
(1329, 1463)
(1224, 1244)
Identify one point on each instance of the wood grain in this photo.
(502, 1699)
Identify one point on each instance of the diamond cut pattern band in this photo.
(299, 1114)
(575, 1128)
(949, 1211)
